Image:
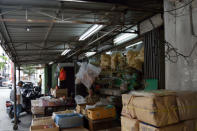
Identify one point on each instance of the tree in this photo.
(3, 62)
(29, 70)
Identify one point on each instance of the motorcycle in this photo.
(28, 93)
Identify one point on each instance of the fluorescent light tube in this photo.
(124, 38)
(73, 0)
(65, 52)
(50, 63)
(134, 44)
(88, 54)
(90, 31)
(109, 53)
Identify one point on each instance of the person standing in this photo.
(19, 101)
(40, 83)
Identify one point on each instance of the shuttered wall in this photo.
(154, 61)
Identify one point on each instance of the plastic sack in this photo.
(132, 61)
(140, 56)
(105, 61)
(87, 74)
(117, 61)
(69, 120)
(80, 99)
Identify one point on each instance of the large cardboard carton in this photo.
(37, 110)
(187, 105)
(38, 102)
(61, 112)
(101, 113)
(129, 124)
(128, 108)
(42, 121)
(75, 129)
(43, 124)
(59, 92)
(176, 127)
(52, 127)
(157, 108)
(190, 125)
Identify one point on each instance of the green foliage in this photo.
(29, 70)
(2, 64)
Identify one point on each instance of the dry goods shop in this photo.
(101, 64)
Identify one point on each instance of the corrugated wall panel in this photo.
(154, 61)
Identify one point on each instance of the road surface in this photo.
(5, 121)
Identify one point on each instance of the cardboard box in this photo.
(128, 108)
(61, 112)
(42, 121)
(59, 92)
(80, 107)
(101, 113)
(129, 124)
(190, 125)
(38, 110)
(37, 103)
(52, 127)
(187, 105)
(157, 108)
(176, 127)
(75, 129)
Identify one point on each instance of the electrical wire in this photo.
(172, 54)
(180, 7)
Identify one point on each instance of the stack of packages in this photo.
(43, 124)
(101, 112)
(159, 111)
(37, 107)
(59, 92)
(68, 120)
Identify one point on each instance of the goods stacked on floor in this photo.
(65, 120)
(159, 110)
(40, 105)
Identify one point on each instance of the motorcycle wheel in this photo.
(11, 115)
(15, 127)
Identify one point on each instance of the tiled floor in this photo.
(5, 122)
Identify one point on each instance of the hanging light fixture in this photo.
(92, 30)
(65, 52)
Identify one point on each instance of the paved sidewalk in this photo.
(5, 121)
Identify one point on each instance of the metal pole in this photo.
(15, 119)
(19, 73)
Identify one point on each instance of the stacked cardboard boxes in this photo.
(59, 92)
(159, 110)
(43, 124)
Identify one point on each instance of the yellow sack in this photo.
(140, 56)
(105, 61)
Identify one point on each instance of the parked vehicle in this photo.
(7, 84)
(28, 93)
(2, 79)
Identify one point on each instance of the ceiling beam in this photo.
(36, 54)
(39, 50)
(10, 40)
(54, 21)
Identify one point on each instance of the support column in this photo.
(19, 73)
(15, 119)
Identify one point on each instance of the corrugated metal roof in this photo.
(46, 40)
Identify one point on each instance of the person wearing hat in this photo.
(19, 100)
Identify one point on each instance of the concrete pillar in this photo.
(15, 119)
(19, 73)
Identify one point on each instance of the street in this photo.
(5, 121)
